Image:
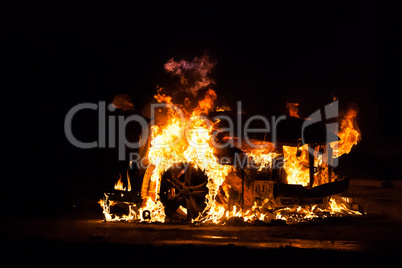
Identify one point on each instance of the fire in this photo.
(296, 167)
(106, 204)
(183, 135)
(262, 157)
(119, 184)
(293, 108)
(335, 206)
(349, 133)
(182, 141)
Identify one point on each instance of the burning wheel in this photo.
(185, 186)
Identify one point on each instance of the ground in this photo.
(377, 234)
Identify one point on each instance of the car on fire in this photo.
(291, 169)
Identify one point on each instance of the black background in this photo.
(267, 54)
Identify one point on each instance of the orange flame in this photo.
(119, 184)
(185, 137)
(349, 133)
(293, 108)
(182, 141)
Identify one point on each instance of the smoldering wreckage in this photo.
(195, 170)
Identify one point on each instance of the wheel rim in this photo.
(183, 185)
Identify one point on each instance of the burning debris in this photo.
(202, 165)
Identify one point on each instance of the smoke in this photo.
(193, 74)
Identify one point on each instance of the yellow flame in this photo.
(107, 204)
(183, 141)
(296, 168)
(188, 139)
(349, 134)
(119, 184)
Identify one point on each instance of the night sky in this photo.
(266, 55)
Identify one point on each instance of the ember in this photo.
(197, 170)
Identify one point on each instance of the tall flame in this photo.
(349, 133)
(183, 141)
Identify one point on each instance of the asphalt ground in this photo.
(376, 235)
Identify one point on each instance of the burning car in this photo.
(206, 164)
(197, 170)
